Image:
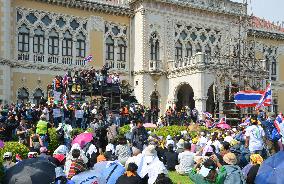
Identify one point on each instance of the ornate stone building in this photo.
(173, 52)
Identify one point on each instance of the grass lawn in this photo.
(179, 179)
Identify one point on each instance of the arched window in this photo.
(208, 50)
(154, 100)
(109, 48)
(38, 95)
(188, 50)
(67, 44)
(121, 52)
(53, 43)
(198, 48)
(154, 42)
(273, 69)
(178, 53)
(38, 45)
(23, 39)
(23, 95)
(81, 45)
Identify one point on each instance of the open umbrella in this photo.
(82, 139)
(223, 126)
(110, 171)
(271, 170)
(31, 171)
(88, 177)
(150, 125)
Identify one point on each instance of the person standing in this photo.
(42, 129)
(139, 136)
(22, 132)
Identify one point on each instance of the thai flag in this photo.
(266, 97)
(222, 120)
(279, 118)
(65, 79)
(208, 115)
(88, 59)
(244, 99)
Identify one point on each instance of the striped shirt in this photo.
(77, 166)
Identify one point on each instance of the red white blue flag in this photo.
(266, 97)
(244, 99)
(88, 58)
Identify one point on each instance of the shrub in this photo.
(53, 140)
(15, 148)
(123, 130)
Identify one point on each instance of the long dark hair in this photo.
(62, 179)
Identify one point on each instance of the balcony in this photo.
(23, 56)
(155, 66)
(116, 65)
(53, 59)
(67, 60)
(202, 61)
(80, 62)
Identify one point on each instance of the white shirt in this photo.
(255, 134)
(202, 141)
(228, 138)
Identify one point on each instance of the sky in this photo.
(271, 10)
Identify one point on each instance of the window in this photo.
(178, 53)
(23, 39)
(38, 95)
(188, 50)
(154, 52)
(109, 48)
(121, 50)
(23, 95)
(198, 48)
(207, 50)
(38, 45)
(81, 45)
(67, 44)
(53, 43)
(273, 67)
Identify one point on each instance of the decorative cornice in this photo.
(221, 7)
(265, 34)
(93, 6)
(37, 66)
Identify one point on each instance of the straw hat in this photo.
(230, 158)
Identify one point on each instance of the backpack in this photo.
(272, 132)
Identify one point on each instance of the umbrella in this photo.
(88, 177)
(150, 125)
(271, 170)
(82, 139)
(31, 171)
(110, 170)
(223, 126)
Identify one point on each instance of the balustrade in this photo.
(155, 65)
(67, 60)
(116, 65)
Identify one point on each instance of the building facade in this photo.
(172, 52)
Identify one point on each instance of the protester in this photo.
(77, 164)
(122, 151)
(250, 171)
(130, 177)
(60, 177)
(8, 161)
(171, 158)
(186, 160)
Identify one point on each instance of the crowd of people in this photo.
(223, 156)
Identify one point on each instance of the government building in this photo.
(194, 53)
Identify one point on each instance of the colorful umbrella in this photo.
(271, 170)
(82, 139)
(223, 126)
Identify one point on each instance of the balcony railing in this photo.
(200, 59)
(67, 60)
(116, 65)
(52, 59)
(155, 66)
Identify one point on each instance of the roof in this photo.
(258, 23)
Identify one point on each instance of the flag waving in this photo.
(266, 97)
(88, 58)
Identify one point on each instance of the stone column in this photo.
(200, 103)
(6, 83)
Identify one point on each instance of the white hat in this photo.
(7, 155)
(180, 143)
(169, 137)
(150, 150)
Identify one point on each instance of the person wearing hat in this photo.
(250, 170)
(230, 172)
(8, 161)
(206, 174)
